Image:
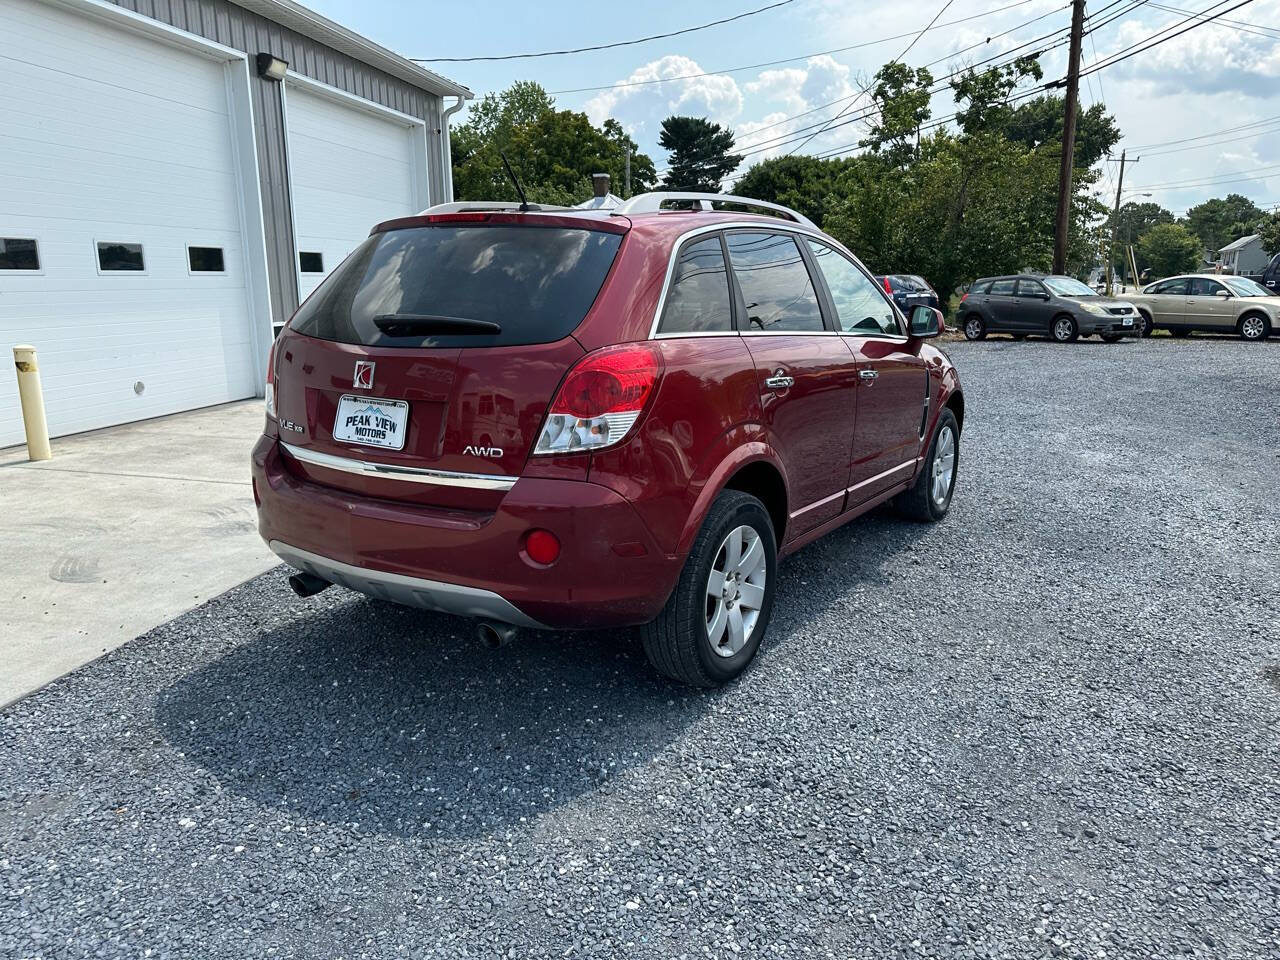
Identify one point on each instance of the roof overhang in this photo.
(323, 30)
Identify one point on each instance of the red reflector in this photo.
(888, 288)
(542, 546)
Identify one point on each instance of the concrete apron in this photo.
(124, 529)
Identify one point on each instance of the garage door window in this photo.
(310, 262)
(206, 260)
(18, 253)
(114, 257)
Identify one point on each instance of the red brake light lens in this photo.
(601, 399)
(888, 287)
(269, 393)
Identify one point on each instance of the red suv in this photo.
(564, 419)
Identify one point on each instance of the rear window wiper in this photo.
(422, 324)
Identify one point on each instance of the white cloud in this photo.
(643, 107)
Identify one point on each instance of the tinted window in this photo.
(1175, 288)
(1001, 288)
(205, 259)
(698, 299)
(774, 281)
(1032, 288)
(120, 256)
(1200, 287)
(310, 262)
(17, 253)
(860, 303)
(536, 283)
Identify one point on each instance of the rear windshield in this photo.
(535, 283)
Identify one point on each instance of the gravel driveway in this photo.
(1049, 726)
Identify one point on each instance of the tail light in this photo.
(270, 392)
(964, 296)
(888, 287)
(601, 399)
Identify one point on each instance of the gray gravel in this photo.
(1049, 726)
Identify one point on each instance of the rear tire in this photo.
(929, 498)
(1064, 329)
(975, 328)
(694, 639)
(1253, 326)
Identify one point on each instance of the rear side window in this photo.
(775, 283)
(1001, 288)
(535, 283)
(1176, 288)
(698, 298)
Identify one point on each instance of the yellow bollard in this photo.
(29, 392)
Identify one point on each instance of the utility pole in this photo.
(1115, 221)
(626, 190)
(1068, 140)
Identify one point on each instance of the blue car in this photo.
(908, 290)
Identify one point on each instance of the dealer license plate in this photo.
(372, 422)
(1128, 321)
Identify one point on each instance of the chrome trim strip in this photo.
(365, 468)
(882, 475)
(411, 591)
(818, 503)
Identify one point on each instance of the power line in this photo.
(1203, 136)
(1240, 175)
(1259, 132)
(606, 46)
(1201, 21)
(775, 63)
(1255, 28)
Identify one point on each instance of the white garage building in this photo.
(176, 177)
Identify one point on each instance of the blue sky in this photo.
(1214, 78)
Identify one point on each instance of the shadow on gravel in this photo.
(399, 722)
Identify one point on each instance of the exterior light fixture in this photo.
(272, 68)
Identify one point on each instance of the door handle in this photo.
(779, 381)
(868, 375)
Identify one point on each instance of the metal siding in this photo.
(233, 26)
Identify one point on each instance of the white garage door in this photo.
(350, 169)
(117, 160)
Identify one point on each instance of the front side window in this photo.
(1032, 288)
(698, 298)
(860, 303)
(1202, 287)
(18, 253)
(775, 283)
(114, 257)
(1001, 288)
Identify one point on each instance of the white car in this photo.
(1209, 302)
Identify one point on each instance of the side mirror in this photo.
(1224, 294)
(926, 322)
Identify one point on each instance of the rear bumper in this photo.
(610, 571)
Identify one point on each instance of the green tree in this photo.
(1169, 248)
(985, 95)
(803, 183)
(1132, 224)
(1038, 121)
(1220, 220)
(901, 99)
(554, 152)
(1269, 229)
(699, 152)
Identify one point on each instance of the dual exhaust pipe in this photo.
(491, 633)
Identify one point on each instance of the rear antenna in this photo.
(524, 201)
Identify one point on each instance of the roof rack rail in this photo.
(652, 203)
(465, 206)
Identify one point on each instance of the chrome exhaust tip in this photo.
(494, 635)
(307, 584)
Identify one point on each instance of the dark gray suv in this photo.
(1061, 308)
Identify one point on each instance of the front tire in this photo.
(1147, 326)
(975, 328)
(929, 498)
(1064, 329)
(715, 618)
(1253, 327)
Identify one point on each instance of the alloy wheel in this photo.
(1252, 328)
(944, 466)
(1062, 329)
(735, 591)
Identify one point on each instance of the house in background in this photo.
(1244, 256)
(178, 176)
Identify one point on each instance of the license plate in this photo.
(372, 422)
(1128, 321)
